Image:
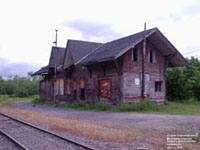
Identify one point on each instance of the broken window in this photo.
(135, 54)
(82, 89)
(152, 57)
(158, 86)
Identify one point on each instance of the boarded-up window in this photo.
(82, 89)
(74, 85)
(68, 87)
(74, 89)
(105, 89)
(56, 86)
(52, 88)
(61, 86)
(82, 83)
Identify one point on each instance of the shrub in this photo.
(100, 105)
(143, 105)
(37, 100)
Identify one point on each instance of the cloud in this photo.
(184, 13)
(192, 10)
(18, 68)
(93, 30)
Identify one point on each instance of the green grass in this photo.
(8, 100)
(145, 106)
(178, 108)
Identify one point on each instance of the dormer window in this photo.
(152, 58)
(135, 54)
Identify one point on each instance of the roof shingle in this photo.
(109, 50)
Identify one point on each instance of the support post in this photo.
(143, 63)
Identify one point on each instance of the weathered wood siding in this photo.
(124, 81)
(132, 72)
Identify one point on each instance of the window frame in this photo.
(152, 56)
(135, 54)
(158, 86)
(61, 86)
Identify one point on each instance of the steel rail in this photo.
(13, 140)
(47, 131)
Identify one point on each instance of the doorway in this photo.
(105, 89)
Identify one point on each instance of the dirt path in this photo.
(164, 123)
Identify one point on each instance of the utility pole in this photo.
(55, 68)
(56, 40)
(143, 63)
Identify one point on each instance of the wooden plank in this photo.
(105, 89)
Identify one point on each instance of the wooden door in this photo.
(82, 89)
(105, 89)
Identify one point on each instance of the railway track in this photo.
(8, 143)
(27, 136)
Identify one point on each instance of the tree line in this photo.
(17, 86)
(184, 83)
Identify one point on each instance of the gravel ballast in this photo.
(7, 144)
(32, 138)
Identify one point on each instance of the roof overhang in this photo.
(160, 42)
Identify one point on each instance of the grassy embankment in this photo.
(7, 100)
(145, 106)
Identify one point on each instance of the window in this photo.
(152, 56)
(158, 86)
(56, 87)
(74, 89)
(68, 86)
(135, 54)
(61, 86)
(74, 85)
(82, 89)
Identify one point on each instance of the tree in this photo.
(20, 86)
(184, 83)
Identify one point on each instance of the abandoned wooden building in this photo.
(126, 69)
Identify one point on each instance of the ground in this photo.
(110, 130)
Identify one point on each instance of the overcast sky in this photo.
(27, 27)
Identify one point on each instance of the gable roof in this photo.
(109, 50)
(57, 56)
(114, 49)
(56, 59)
(83, 52)
(42, 71)
(77, 50)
